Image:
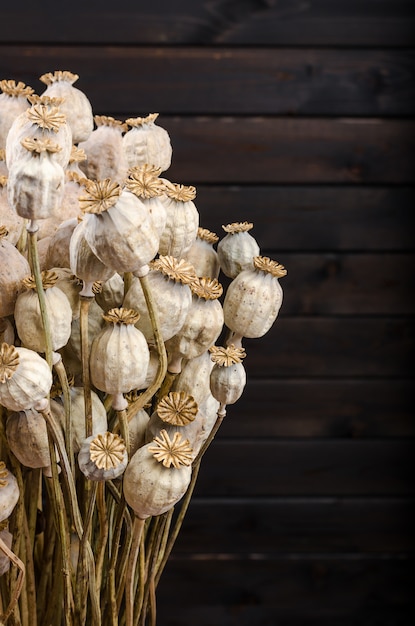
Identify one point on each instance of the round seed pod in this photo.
(228, 377)
(104, 150)
(194, 377)
(202, 325)
(13, 269)
(207, 416)
(99, 417)
(237, 249)
(27, 437)
(158, 475)
(169, 281)
(9, 492)
(103, 457)
(253, 299)
(182, 221)
(25, 378)
(13, 102)
(118, 227)
(28, 317)
(202, 254)
(146, 142)
(119, 354)
(75, 105)
(57, 254)
(8, 216)
(175, 412)
(111, 295)
(6, 331)
(144, 183)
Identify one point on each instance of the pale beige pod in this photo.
(3, 167)
(158, 475)
(111, 294)
(9, 492)
(95, 324)
(228, 376)
(194, 377)
(119, 356)
(99, 416)
(237, 249)
(103, 457)
(27, 437)
(28, 318)
(176, 411)
(144, 182)
(13, 102)
(25, 378)
(13, 269)
(169, 281)
(137, 425)
(182, 222)
(75, 105)
(57, 253)
(6, 331)
(71, 287)
(36, 181)
(203, 256)
(253, 300)
(118, 227)
(202, 326)
(146, 142)
(8, 216)
(104, 150)
(208, 414)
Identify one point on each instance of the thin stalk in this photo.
(167, 384)
(82, 570)
(141, 581)
(30, 573)
(86, 379)
(114, 553)
(103, 534)
(152, 558)
(34, 262)
(46, 564)
(19, 582)
(23, 601)
(63, 379)
(125, 431)
(138, 527)
(34, 492)
(54, 606)
(128, 279)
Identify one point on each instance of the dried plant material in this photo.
(4, 473)
(37, 145)
(225, 357)
(3, 181)
(46, 100)
(49, 279)
(9, 361)
(177, 408)
(238, 227)
(59, 75)
(206, 288)
(122, 316)
(181, 193)
(179, 270)
(206, 235)
(107, 120)
(11, 88)
(267, 265)
(136, 122)
(101, 195)
(49, 118)
(171, 452)
(74, 177)
(78, 155)
(107, 450)
(2, 154)
(144, 182)
(3, 232)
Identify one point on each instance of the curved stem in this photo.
(63, 379)
(19, 582)
(138, 526)
(125, 431)
(86, 380)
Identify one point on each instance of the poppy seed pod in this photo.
(13, 102)
(8, 216)
(103, 457)
(228, 377)
(9, 492)
(13, 269)
(104, 150)
(25, 378)
(202, 254)
(182, 221)
(146, 142)
(237, 249)
(143, 182)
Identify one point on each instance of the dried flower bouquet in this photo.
(111, 385)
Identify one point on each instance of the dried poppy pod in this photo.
(57, 253)
(25, 379)
(118, 227)
(84, 263)
(253, 299)
(137, 424)
(27, 437)
(8, 216)
(103, 457)
(144, 182)
(176, 411)
(75, 105)
(3, 167)
(104, 150)
(28, 317)
(146, 142)
(99, 416)
(202, 325)
(9, 492)
(203, 256)
(169, 281)
(228, 377)
(194, 377)
(13, 102)
(119, 356)
(36, 180)
(95, 325)
(111, 294)
(6, 331)
(237, 249)
(13, 269)
(158, 475)
(182, 221)
(44, 120)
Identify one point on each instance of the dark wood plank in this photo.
(333, 347)
(266, 467)
(227, 81)
(306, 218)
(287, 592)
(271, 526)
(347, 284)
(286, 22)
(346, 409)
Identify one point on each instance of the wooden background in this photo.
(297, 116)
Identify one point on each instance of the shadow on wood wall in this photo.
(298, 117)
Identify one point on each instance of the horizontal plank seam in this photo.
(294, 556)
(296, 500)
(205, 46)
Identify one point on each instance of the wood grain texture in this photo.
(252, 22)
(224, 80)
